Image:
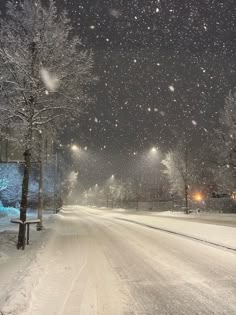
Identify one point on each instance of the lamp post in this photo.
(57, 200)
(112, 190)
(109, 189)
(152, 156)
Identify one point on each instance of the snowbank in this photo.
(16, 299)
(20, 270)
(224, 236)
(212, 228)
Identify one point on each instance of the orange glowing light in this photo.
(198, 197)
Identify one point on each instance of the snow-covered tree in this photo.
(44, 76)
(225, 145)
(10, 184)
(130, 189)
(118, 191)
(70, 184)
(181, 171)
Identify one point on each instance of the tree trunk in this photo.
(41, 203)
(24, 200)
(56, 190)
(186, 199)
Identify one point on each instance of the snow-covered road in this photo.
(96, 264)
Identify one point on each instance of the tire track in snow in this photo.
(72, 287)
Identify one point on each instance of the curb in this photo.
(179, 234)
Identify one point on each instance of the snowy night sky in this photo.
(164, 68)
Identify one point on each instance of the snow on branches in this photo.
(224, 146)
(44, 77)
(44, 71)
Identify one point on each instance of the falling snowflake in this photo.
(171, 88)
(50, 80)
(114, 12)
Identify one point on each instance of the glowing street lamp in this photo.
(198, 197)
(74, 148)
(153, 150)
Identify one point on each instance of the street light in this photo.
(153, 150)
(61, 148)
(74, 148)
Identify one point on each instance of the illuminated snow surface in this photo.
(8, 213)
(87, 261)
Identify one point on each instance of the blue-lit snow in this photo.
(8, 212)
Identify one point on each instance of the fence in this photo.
(224, 205)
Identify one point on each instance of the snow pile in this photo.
(7, 239)
(7, 245)
(16, 300)
(228, 219)
(120, 210)
(6, 214)
(3, 257)
(20, 271)
(224, 236)
(216, 233)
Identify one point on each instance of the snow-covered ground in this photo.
(17, 267)
(213, 217)
(6, 214)
(88, 261)
(213, 230)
